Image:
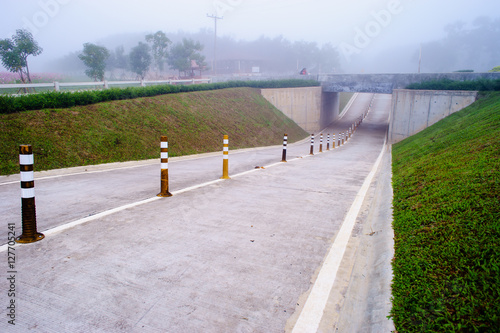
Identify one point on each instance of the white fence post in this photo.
(57, 85)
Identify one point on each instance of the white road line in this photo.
(177, 158)
(145, 163)
(348, 106)
(69, 225)
(83, 173)
(138, 203)
(310, 316)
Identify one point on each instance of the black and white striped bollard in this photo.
(29, 234)
(311, 151)
(328, 141)
(285, 142)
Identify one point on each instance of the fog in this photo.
(369, 36)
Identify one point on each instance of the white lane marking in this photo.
(348, 106)
(115, 210)
(138, 203)
(187, 157)
(151, 162)
(310, 316)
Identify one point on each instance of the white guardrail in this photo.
(105, 84)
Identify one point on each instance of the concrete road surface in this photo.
(249, 254)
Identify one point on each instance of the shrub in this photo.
(11, 104)
(447, 84)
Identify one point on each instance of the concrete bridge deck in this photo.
(386, 83)
(239, 255)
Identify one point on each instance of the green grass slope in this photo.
(446, 183)
(130, 129)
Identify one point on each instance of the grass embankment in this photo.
(130, 129)
(446, 183)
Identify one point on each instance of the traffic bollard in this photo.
(29, 233)
(225, 160)
(164, 168)
(285, 141)
(311, 152)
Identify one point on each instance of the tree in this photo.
(306, 54)
(117, 60)
(140, 59)
(495, 69)
(94, 57)
(465, 46)
(329, 59)
(14, 53)
(159, 46)
(183, 54)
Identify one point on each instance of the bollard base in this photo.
(164, 195)
(225, 177)
(30, 239)
(283, 161)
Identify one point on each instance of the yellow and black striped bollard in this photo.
(225, 160)
(29, 234)
(164, 168)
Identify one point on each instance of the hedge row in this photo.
(52, 100)
(447, 84)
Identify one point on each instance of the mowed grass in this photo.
(126, 130)
(446, 183)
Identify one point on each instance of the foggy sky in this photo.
(360, 28)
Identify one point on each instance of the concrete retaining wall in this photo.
(302, 105)
(309, 107)
(414, 110)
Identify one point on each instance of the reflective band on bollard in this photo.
(285, 142)
(30, 234)
(164, 168)
(225, 162)
(311, 151)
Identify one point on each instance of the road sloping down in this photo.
(237, 255)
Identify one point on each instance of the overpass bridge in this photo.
(314, 108)
(386, 83)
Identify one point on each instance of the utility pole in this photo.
(215, 17)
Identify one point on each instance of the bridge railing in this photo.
(102, 84)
